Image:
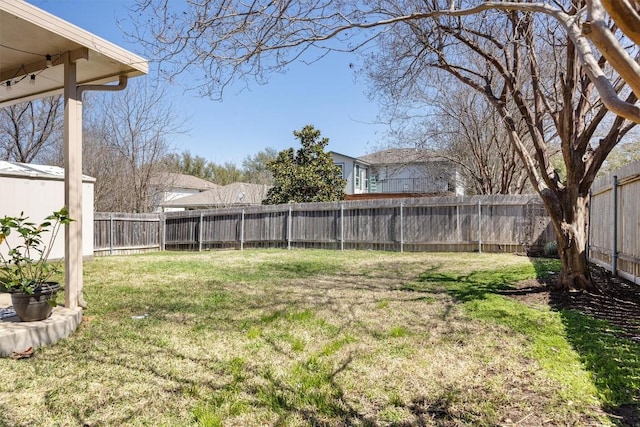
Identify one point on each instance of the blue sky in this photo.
(324, 94)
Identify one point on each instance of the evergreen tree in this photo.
(308, 175)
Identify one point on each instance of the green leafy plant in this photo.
(551, 249)
(25, 266)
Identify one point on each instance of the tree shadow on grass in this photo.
(469, 287)
(613, 360)
(604, 328)
(309, 391)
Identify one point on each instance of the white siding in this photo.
(38, 198)
(360, 179)
(347, 170)
(173, 194)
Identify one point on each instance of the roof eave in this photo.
(100, 60)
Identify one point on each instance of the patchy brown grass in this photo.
(289, 338)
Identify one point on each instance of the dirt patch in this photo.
(532, 292)
(629, 415)
(617, 302)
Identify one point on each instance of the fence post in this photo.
(110, 233)
(161, 227)
(479, 227)
(242, 231)
(401, 227)
(342, 226)
(163, 236)
(458, 229)
(289, 219)
(200, 234)
(589, 228)
(614, 243)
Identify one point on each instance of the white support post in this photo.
(73, 186)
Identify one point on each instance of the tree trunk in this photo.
(569, 213)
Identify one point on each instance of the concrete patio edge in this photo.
(16, 336)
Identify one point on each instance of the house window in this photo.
(341, 166)
(373, 183)
(357, 176)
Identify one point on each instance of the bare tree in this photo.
(462, 127)
(109, 168)
(494, 47)
(126, 139)
(620, 156)
(232, 40)
(30, 130)
(543, 103)
(477, 141)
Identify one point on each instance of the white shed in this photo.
(38, 190)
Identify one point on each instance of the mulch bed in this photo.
(618, 302)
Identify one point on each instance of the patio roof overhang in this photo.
(64, 59)
(28, 35)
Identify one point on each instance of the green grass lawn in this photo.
(322, 338)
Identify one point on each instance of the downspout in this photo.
(80, 89)
(122, 84)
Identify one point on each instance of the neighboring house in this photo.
(172, 186)
(232, 195)
(400, 171)
(354, 171)
(38, 191)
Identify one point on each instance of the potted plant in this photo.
(25, 270)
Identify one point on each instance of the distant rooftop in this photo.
(179, 180)
(30, 170)
(238, 193)
(394, 156)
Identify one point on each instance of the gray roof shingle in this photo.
(238, 193)
(400, 156)
(179, 180)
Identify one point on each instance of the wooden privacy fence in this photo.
(456, 224)
(614, 229)
(125, 233)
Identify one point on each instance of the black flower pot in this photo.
(36, 306)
